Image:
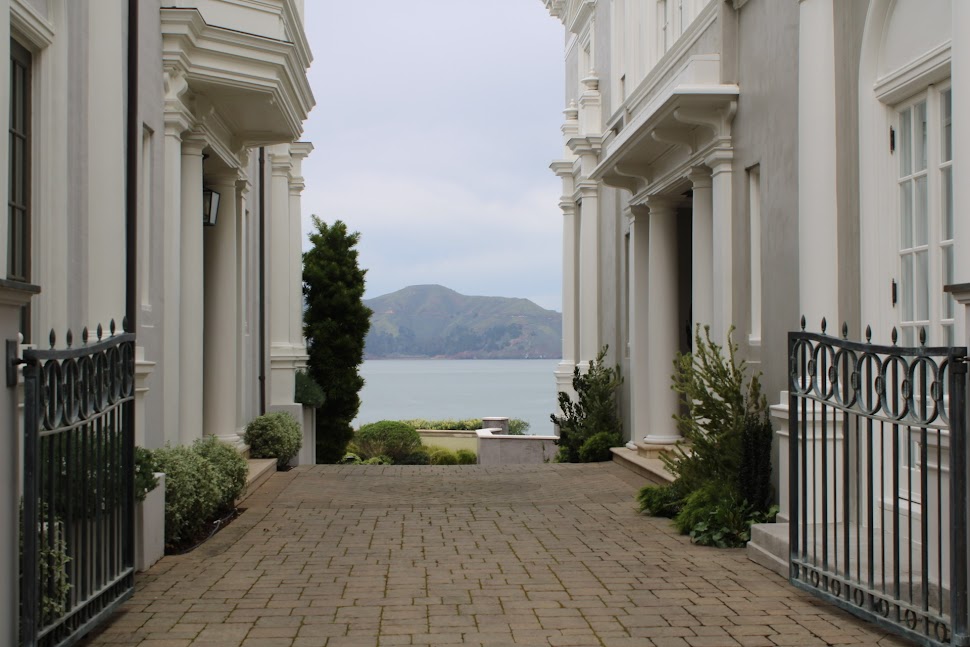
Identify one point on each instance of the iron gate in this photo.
(78, 524)
(877, 473)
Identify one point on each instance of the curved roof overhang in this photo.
(257, 85)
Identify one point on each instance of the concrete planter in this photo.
(150, 526)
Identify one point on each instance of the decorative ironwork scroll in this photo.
(877, 473)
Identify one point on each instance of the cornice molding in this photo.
(26, 21)
(243, 74)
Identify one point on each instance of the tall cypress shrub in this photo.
(335, 322)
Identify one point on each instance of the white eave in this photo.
(258, 85)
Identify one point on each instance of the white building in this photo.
(215, 105)
(744, 162)
(729, 163)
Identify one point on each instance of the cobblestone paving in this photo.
(369, 556)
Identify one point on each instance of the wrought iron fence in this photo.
(878, 481)
(77, 529)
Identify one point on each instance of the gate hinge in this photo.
(13, 361)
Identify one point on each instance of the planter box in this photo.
(150, 527)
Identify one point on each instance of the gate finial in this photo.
(845, 330)
(895, 335)
(824, 325)
(868, 334)
(803, 323)
(922, 336)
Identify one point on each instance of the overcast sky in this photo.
(435, 124)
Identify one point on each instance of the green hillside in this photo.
(433, 321)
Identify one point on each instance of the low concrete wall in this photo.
(308, 452)
(496, 448)
(453, 439)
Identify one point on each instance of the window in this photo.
(18, 199)
(925, 199)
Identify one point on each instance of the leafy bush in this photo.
(597, 447)
(466, 457)
(377, 460)
(274, 435)
(593, 412)
(145, 469)
(420, 456)
(393, 439)
(722, 468)
(192, 493)
(517, 426)
(307, 391)
(52, 559)
(442, 456)
(351, 458)
(231, 470)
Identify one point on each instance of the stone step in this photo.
(651, 469)
(769, 546)
(260, 469)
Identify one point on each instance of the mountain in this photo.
(434, 321)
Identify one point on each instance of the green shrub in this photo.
(145, 480)
(722, 468)
(661, 500)
(231, 470)
(390, 438)
(466, 457)
(593, 412)
(351, 458)
(192, 494)
(307, 391)
(274, 435)
(52, 560)
(377, 460)
(442, 456)
(420, 456)
(517, 426)
(596, 449)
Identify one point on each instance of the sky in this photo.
(434, 127)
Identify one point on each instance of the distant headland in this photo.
(432, 321)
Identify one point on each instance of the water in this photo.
(436, 389)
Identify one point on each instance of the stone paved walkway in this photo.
(368, 556)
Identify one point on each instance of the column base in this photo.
(656, 439)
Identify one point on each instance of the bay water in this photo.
(435, 389)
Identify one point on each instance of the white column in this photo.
(191, 312)
(639, 322)
(817, 205)
(570, 284)
(298, 152)
(702, 249)
(282, 352)
(171, 283)
(663, 329)
(221, 316)
(244, 407)
(722, 218)
(589, 273)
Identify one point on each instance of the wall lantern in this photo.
(210, 207)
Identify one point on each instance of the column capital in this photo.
(720, 160)
(638, 211)
(227, 179)
(568, 206)
(300, 150)
(700, 177)
(243, 185)
(193, 143)
(588, 188)
(297, 184)
(660, 203)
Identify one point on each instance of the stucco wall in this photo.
(765, 133)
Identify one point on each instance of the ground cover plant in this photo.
(590, 425)
(722, 467)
